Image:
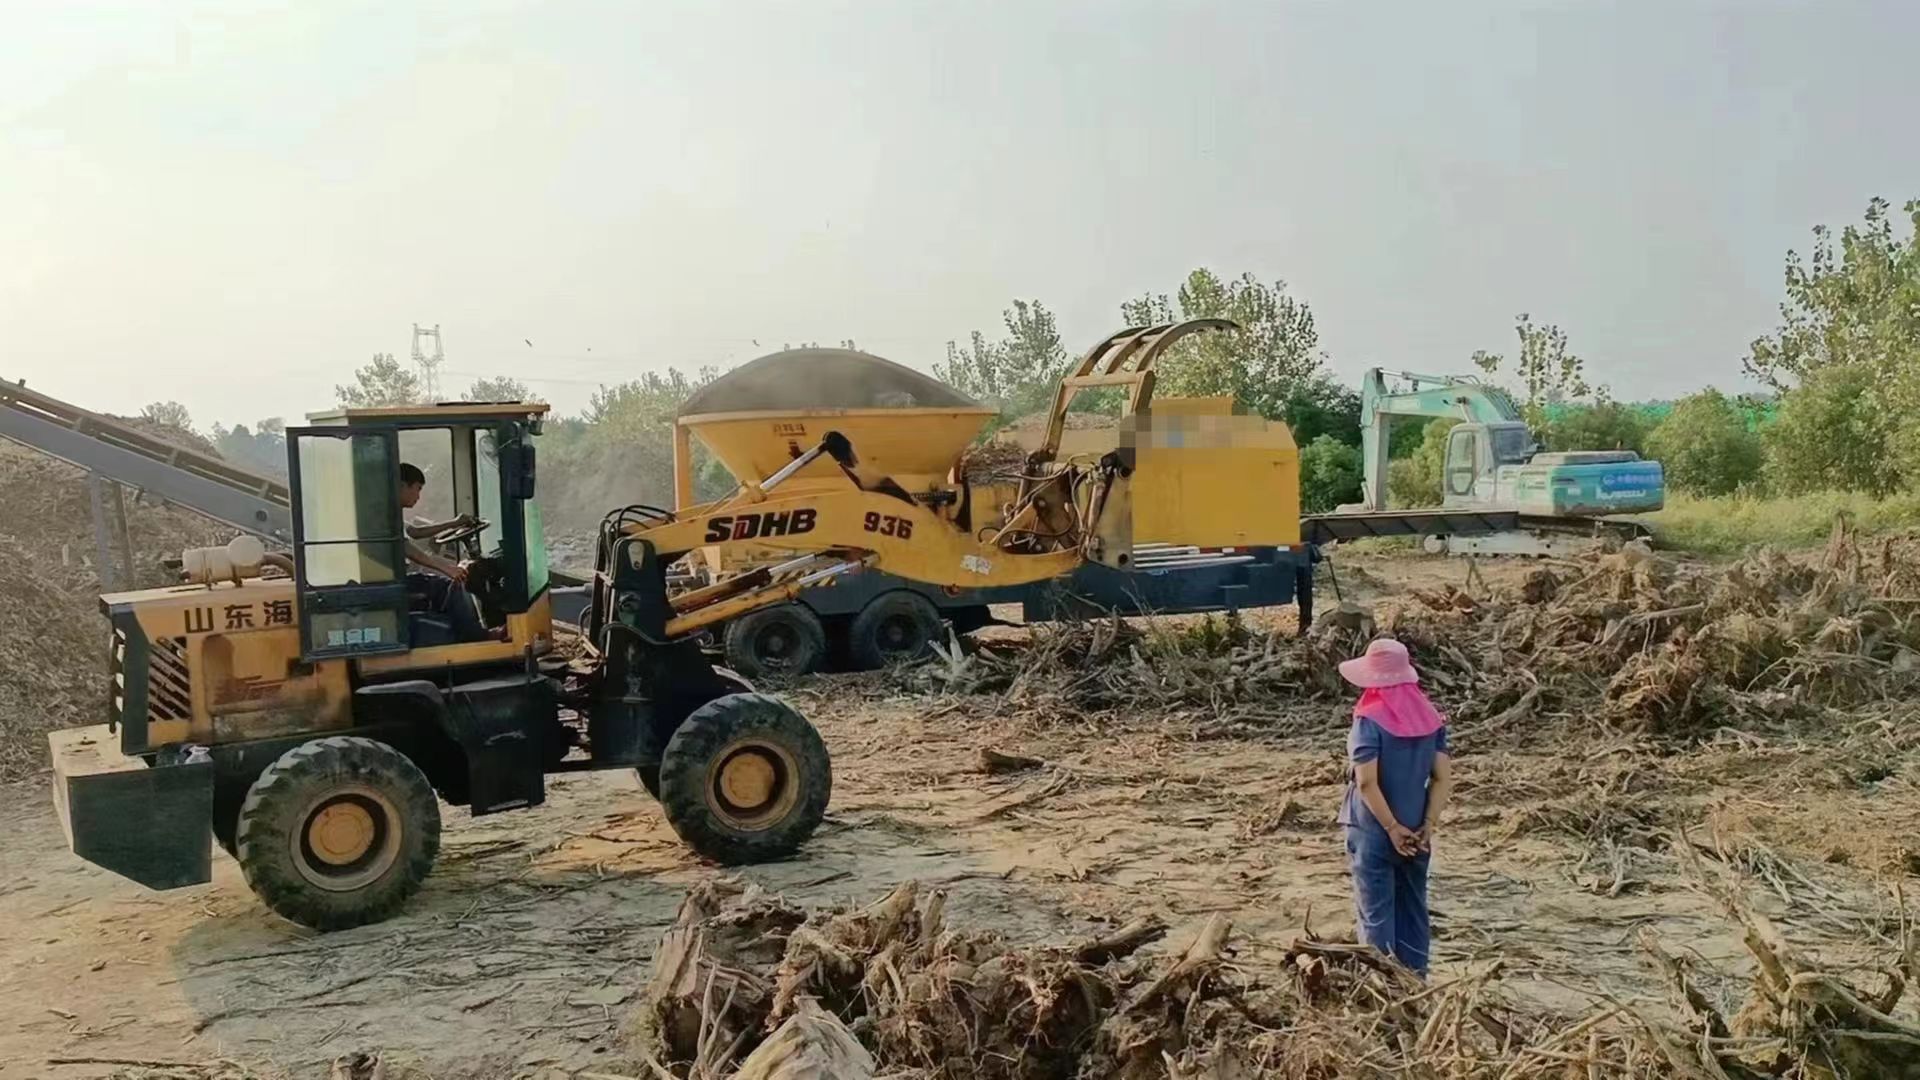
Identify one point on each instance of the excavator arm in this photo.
(1458, 397)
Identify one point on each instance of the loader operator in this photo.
(444, 590)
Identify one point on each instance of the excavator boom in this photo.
(1458, 397)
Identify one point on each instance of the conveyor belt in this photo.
(120, 452)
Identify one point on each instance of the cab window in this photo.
(347, 509)
(486, 456)
(431, 451)
(1512, 445)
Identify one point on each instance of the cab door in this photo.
(1463, 462)
(349, 554)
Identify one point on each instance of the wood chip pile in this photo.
(53, 639)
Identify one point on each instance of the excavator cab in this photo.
(1475, 453)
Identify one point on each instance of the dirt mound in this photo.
(747, 986)
(1641, 642)
(52, 635)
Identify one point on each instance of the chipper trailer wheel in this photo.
(894, 628)
(338, 832)
(777, 641)
(745, 779)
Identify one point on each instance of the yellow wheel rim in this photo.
(347, 838)
(340, 832)
(752, 784)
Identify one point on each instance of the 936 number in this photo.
(888, 525)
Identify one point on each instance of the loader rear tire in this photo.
(745, 779)
(782, 641)
(897, 627)
(338, 832)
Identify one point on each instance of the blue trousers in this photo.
(1390, 897)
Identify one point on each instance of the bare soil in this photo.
(526, 951)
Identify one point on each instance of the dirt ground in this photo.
(528, 945)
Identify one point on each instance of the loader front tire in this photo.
(338, 832)
(745, 779)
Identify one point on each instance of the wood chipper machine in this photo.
(757, 417)
(309, 714)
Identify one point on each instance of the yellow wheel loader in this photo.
(311, 714)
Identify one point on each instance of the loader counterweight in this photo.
(149, 824)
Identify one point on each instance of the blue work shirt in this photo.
(1406, 765)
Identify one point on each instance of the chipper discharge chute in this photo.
(310, 714)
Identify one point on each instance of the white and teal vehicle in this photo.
(1493, 464)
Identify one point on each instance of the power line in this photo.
(429, 365)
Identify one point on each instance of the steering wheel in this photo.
(453, 534)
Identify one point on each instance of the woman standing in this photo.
(1400, 776)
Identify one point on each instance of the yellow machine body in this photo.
(916, 447)
(1192, 463)
(224, 663)
(1195, 462)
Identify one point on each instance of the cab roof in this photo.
(446, 412)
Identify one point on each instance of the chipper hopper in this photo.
(311, 714)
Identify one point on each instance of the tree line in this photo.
(1841, 373)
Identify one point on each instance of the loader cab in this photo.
(1475, 453)
(350, 533)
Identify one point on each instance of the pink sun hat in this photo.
(1385, 663)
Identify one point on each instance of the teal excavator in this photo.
(1559, 500)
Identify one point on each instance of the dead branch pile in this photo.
(1215, 666)
(741, 971)
(1642, 642)
(997, 459)
(748, 987)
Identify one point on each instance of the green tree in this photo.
(1274, 358)
(168, 414)
(1324, 407)
(1827, 435)
(1017, 373)
(263, 449)
(619, 451)
(1705, 446)
(1329, 474)
(1546, 371)
(1860, 305)
(1857, 305)
(1605, 425)
(645, 407)
(500, 388)
(1415, 480)
(384, 381)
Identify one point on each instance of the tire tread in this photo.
(707, 730)
(280, 887)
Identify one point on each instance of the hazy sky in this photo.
(232, 205)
